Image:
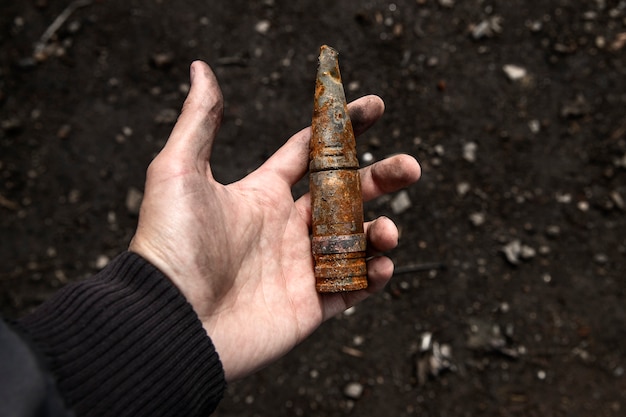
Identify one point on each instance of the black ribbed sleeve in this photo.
(127, 343)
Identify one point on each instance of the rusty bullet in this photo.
(338, 242)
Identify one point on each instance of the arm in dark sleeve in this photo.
(127, 343)
(26, 390)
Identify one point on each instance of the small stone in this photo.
(263, 26)
(487, 28)
(512, 251)
(544, 250)
(353, 390)
(534, 126)
(618, 200)
(563, 198)
(11, 125)
(514, 72)
(74, 26)
(469, 152)
(477, 219)
(578, 107)
(446, 3)
(601, 258)
(619, 42)
(426, 341)
(163, 60)
(401, 202)
(102, 261)
(166, 116)
(527, 252)
(73, 196)
(133, 200)
(374, 142)
(367, 158)
(354, 86)
(350, 311)
(463, 188)
(64, 131)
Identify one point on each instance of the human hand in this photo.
(241, 253)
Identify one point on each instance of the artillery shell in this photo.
(338, 242)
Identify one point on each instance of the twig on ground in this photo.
(57, 23)
(407, 269)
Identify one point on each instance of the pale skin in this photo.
(241, 253)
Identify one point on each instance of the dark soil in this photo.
(536, 165)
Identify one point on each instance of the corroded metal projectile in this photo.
(338, 242)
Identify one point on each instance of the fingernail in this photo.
(192, 73)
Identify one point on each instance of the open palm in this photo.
(241, 253)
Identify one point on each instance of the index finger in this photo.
(291, 161)
(382, 177)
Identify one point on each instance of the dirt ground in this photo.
(510, 294)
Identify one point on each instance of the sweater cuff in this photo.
(127, 343)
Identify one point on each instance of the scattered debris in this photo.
(8, 204)
(166, 116)
(553, 231)
(102, 261)
(514, 72)
(400, 202)
(619, 42)
(490, 337)
(463, 188)
(600, 258)
(367, 158)
(352, 351)
(469, 152)
(433, 358)
(446, 3)
(11, 125)
(39, 53)
(576, 108)
(407, 269)
(563, 198)
(353, 390)
(534, 126)
(133, 200)
(162, 60)
(515, 252)
(349, 311)
(477, 219)
(487, 28)
(64, 131)
(263, 26)
(616, 197)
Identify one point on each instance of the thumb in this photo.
(193, 135)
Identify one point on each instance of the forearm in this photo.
(126, 342)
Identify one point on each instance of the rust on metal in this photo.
(338, 242)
